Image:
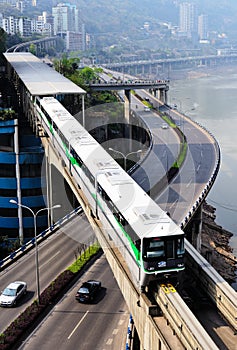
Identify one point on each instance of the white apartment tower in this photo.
(188, 19)
(203, 27)
(66, 18)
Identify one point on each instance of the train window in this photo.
(46, 115)
(37, 101)
(88, 174)
(180, 246)
(76, 156)
(55, 127)
(138, 244)
(154, 248)
(63, 138)
(99, 189)
(122, 220)
(170, 249)
(105, 196)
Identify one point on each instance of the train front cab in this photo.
(163, 257)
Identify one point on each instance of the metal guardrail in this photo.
(41, 236)
(220, 292)
(210, 182)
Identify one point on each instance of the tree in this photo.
(66, 66)
(32, 49)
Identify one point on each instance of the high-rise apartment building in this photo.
(188, 19)
(66, 18)
(203, 27)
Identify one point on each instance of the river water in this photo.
(210, 97)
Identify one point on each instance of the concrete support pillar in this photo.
(158, 95)
(127, 109)
(161, 97)
(83, 110)
(18, 182)
(166, 97)
(49, 184)
(197, 229)
(127, 106)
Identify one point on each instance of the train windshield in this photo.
(158, 248)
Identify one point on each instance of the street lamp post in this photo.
(125, 156)
(184, 113)
(179, 101)
(35, 235)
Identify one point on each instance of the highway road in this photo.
(163, 152)
(179, 196)
(200, 163)
(55, 254)
(101, 325)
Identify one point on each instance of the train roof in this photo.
(38, 77)
(144, 215)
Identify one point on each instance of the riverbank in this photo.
(201, 72)
(215, 246)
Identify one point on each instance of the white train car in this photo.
(150, 242)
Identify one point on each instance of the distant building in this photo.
(203, 27)
(10, 25)
(188, 19)
(66, 18)
(25, 26)
(40, 27)
(74, 41)
(20, 5)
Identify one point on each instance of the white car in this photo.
(164, 126)
(12, 293)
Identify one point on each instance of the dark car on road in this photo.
(88, 291)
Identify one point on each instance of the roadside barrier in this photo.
(41, 236)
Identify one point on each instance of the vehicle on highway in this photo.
(88, 291)
(164, 126)
(12, 293)
(147, 109)
(148, 239)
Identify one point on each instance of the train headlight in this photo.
(180, 265)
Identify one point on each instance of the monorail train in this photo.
(150, 242)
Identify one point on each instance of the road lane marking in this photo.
(73, 331)
(189, 183)
(52, 257)
(109, 341)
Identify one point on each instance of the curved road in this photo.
(184, 190)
